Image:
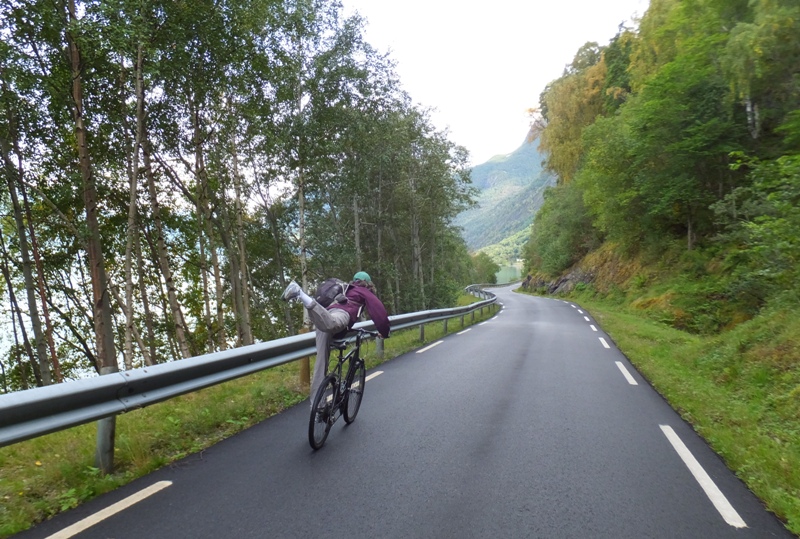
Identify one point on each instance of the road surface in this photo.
(531, 424)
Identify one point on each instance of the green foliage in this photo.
(608, 181)
(617, 85)
(568, 105)
(509, 250)
(206, 124)
(681, 96)
(562, 231)
(484, 269)
(764, 218)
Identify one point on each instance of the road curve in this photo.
(531, 424)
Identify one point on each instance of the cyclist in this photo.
(338, 318)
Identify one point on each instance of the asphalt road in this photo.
(531, 424)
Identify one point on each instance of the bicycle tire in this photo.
(355, 392)
(319, 424)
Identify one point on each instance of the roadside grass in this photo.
(740, 390)
(50, 474)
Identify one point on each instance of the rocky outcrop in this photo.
(562, 285)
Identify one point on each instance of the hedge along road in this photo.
(531, 424)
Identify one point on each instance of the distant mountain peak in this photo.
(511, 188)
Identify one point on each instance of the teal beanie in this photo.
(362, 276)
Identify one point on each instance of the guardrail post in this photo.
(379, 347)
(305, 367)
(422, 332)
(462, 320)
(445, 326)
(106, 432)
(473, 315)
(104, 454)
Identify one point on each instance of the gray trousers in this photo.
(327, 323)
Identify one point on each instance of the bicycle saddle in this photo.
(338, 344)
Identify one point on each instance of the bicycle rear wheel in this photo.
(319, 424)
(355, 392)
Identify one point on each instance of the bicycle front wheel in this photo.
(355, 392)
(322, 413)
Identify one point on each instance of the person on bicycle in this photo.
(338, 318)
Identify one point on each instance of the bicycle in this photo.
(339, 396)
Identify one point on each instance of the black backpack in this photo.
(331, 290)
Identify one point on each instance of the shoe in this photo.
(292, 292)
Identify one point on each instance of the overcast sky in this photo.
(482, 64)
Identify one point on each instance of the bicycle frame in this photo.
(336, 390)
(354, 357)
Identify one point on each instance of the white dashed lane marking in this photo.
(437, 343)
(626, 374)
(111, 510)
(712, 491)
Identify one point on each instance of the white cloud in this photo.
(481, 66)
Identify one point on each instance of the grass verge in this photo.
(50, 474)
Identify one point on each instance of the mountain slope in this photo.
(511, 189)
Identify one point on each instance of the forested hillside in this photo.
(510, 190)
(169, 166)
(684, 132)
(677, 150)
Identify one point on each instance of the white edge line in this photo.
(602, 340)
(462, 332)
(437, 343)
(580, 311)
(111, 510)
(373, 375)
(593, 328)
(626, 374)
(712, 491)
(586, 318)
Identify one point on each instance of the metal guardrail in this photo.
(42, 410)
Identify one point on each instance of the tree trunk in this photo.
(235, 279)
(276, 234)
(132, 208)
(104, 335)
(178, 321)
(244, 273)
(416, 243)
(42, 291)
(15, 310)
(134, 334)
(149, 358)
(14, 173)
(222, 334)
(23, 376)
(753, 118)
(201, 240)
(357, 233)
(379, 214)
(202, 182)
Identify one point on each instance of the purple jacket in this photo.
(358, 297)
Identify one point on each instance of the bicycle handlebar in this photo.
(367, 332)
